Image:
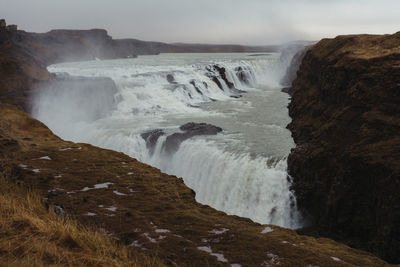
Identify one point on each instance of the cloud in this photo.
(209, 21)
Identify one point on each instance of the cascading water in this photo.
(241, 171)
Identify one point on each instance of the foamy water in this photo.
(241, 171)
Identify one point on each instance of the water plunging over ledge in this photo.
(241, 170)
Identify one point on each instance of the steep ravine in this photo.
(345, 111)
(133, 202)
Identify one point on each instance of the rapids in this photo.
(241, 171)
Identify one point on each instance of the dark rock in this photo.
(190, 129)
(242, 75)
(151, 138)
(345, 122)
(12, 27)
(171, 79)
(193, 82)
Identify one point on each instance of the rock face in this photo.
(345, 121)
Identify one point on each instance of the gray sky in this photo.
(208, 21)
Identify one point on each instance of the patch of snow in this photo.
(97, 186)
(101, 206)
(123, 162)
(161, 237)
(130, 173)
(23, 166)
(285, 242)
(219, 232)
(113, 209)
(135, 244)
(58, 176)
(267, 230)
(36, 170)
(103, 185)
(152, 240)
(118, 193)
(70, 148)
(162, 231)
(220, 257)
(45, 157)
(236, 265)
(71, 192)
(90, 214)
(335, 259)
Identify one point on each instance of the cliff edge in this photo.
(345, 122)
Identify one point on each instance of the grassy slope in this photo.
(31, 235)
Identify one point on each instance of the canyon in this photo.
(344, 167)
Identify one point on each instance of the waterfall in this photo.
(151, 95)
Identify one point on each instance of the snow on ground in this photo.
(220, 257)
(97, 186)
(267, 230)
(162, 231)
(113, 209)
(219, 232)
(118, 193)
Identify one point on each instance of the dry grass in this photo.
(30, 235)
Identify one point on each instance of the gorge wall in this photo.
(345, 122)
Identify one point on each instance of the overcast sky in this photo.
(208, 21)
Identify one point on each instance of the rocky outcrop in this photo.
(218, 75)
(346, 124)
(174, 140)
(189, 130)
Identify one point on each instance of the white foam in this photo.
(45, 157)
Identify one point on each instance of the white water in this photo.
(241, 171)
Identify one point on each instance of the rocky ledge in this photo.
(345, 122)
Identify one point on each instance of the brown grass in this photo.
(30, 235)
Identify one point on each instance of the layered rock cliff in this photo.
(345, 113)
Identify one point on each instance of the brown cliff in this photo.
(345, 122)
